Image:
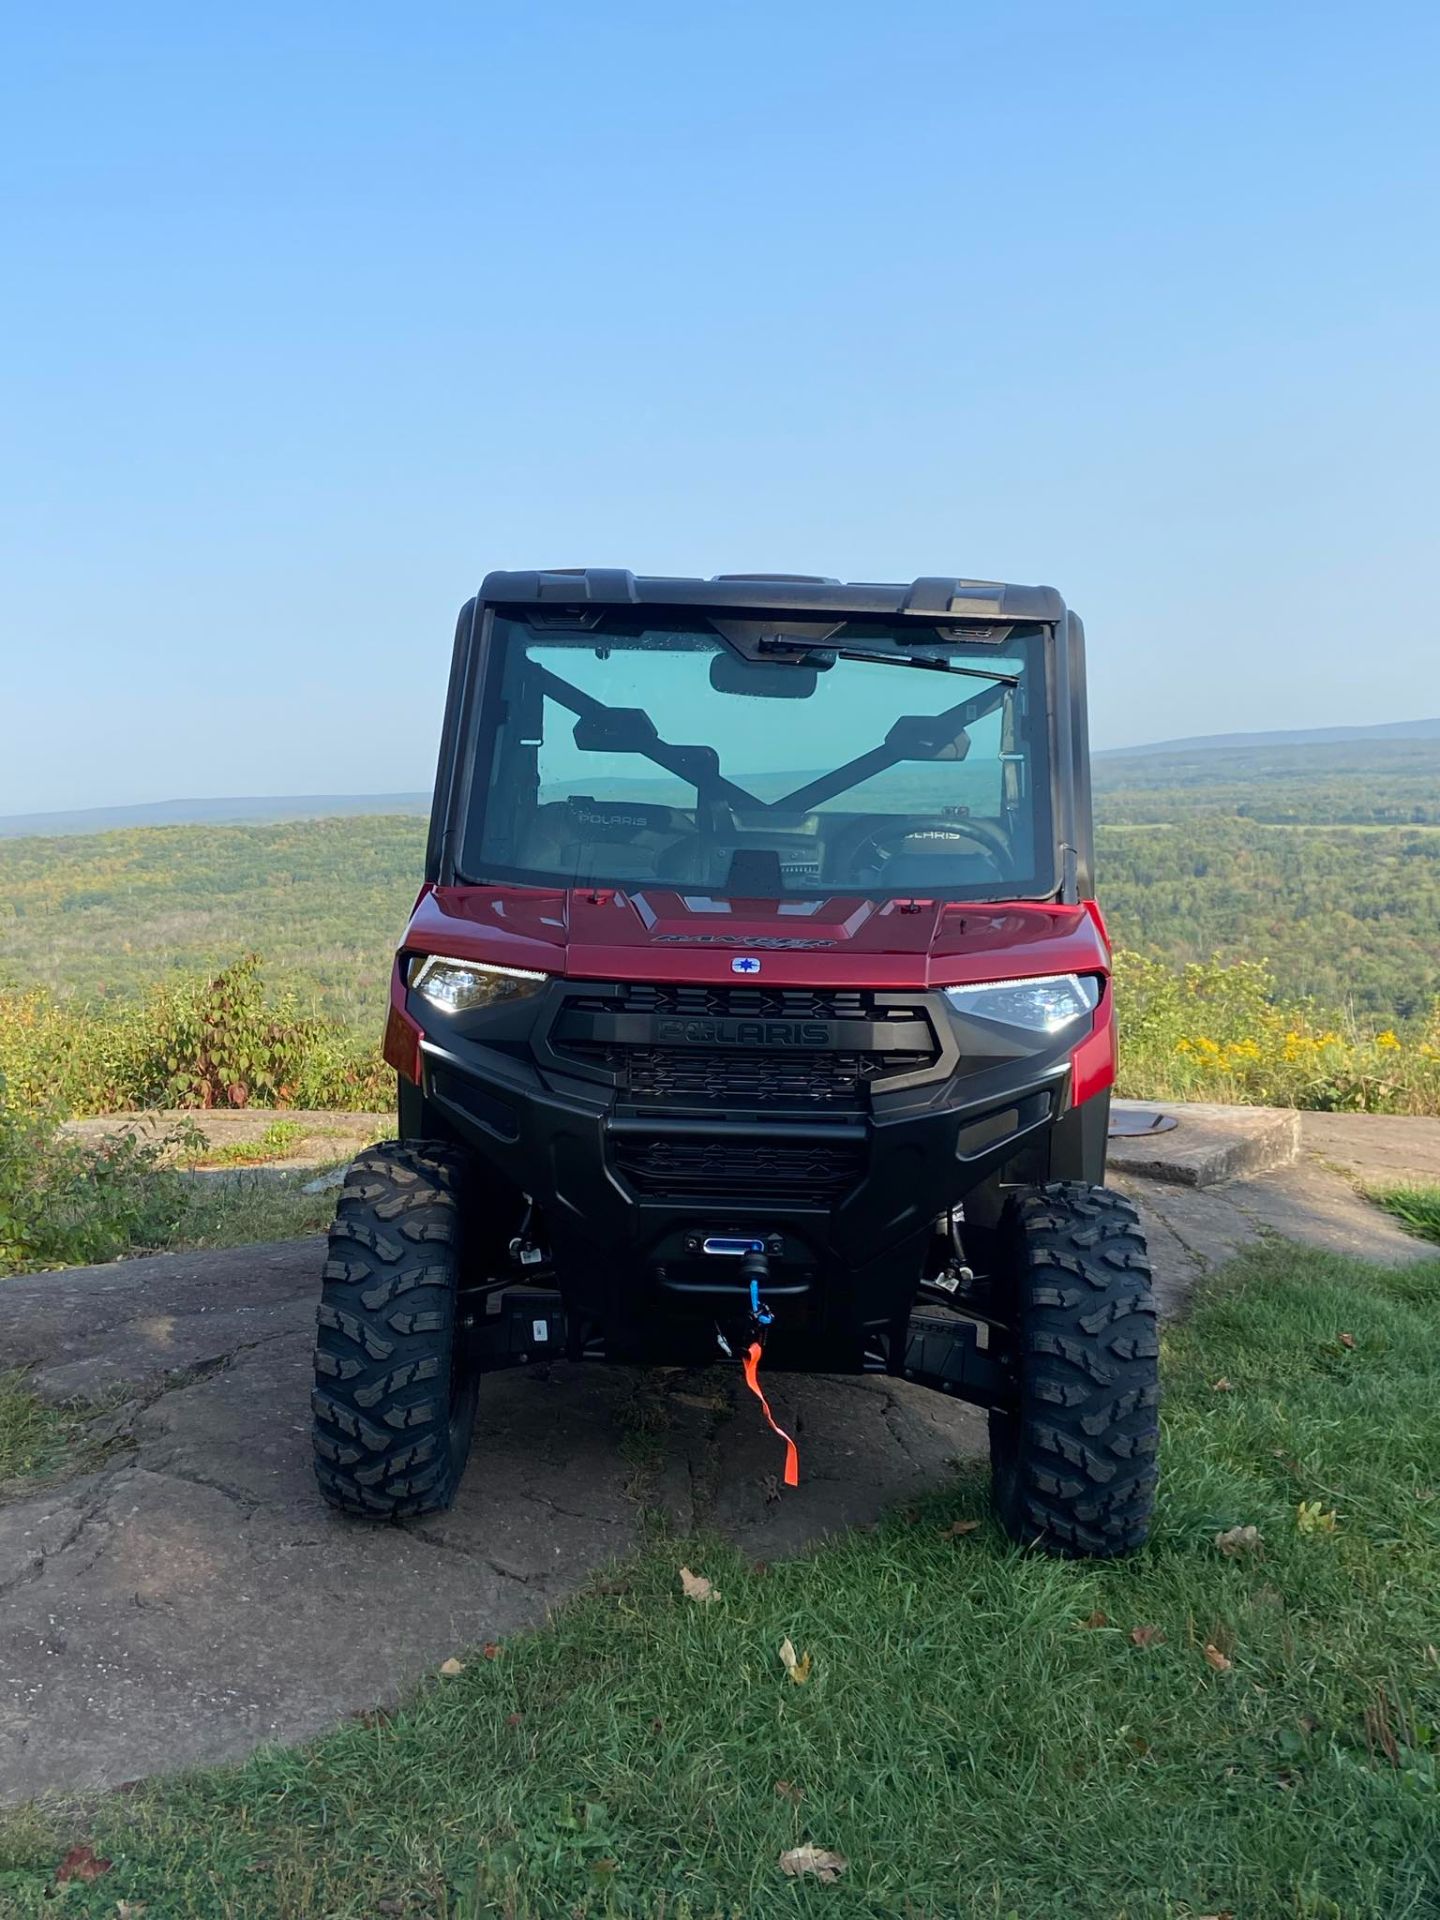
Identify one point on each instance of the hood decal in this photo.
(766, 942)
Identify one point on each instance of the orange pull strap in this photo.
(752, 1380)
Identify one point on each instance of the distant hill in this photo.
(1297, 737)
(1216, 758)
(197, 813)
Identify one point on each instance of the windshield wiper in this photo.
(928, 660)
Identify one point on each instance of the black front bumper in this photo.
(642, 1127)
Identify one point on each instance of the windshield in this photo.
(626, 754)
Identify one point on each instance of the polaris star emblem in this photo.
(745, 963)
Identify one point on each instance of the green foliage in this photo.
(248, 1206)
(278, 1140)
(66, 1204)
(223, 1045)
(1350, 782)
(1418, 1208)
(107, 916)
(33, 1436)
(1214, 1032)
(130, 940)
(1346, 916)
(202, 1040)
(979, 1735)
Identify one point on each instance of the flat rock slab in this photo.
(323, 1137)
(1378, 1149)
(1209, 1144)
(195, 1599)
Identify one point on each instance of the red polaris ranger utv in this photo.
(754, 1004)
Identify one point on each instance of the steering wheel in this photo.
(881, 836)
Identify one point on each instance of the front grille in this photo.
(622, 1032)
(682, 999)
(808, 1174)
(738, 1079)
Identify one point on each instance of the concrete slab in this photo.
(1377, 1149)
(1210, 1144)
(322, 1138)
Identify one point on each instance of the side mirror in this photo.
(760, 679)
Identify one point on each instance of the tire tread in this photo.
(1074, 1461)
(385, 1332)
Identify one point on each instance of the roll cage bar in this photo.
(700, 766)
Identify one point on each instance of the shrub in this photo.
(201, 1040)
(63, 1203)
(1216, 1032)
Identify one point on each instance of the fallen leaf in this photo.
(452, 1666)
(957, 1527)
(490, 1649)
(1226, 1915)
(1147, 1637)
(1237, 1540)
(1222, 1385)
(657, 1725)
(1311, 1517)
(787, 1790)
(1216, 1658)
(513, 1719)
(696, 1586)
(81, 1863)
(797, 1668)
(130, 1909)
(1348, 1340)
(604, 1866)
(1096, 1619)
(825, 1865)
(706, 1402)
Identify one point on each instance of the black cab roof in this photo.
(930, 597)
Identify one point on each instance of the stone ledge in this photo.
(1210, 1143)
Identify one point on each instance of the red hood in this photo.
(848, 940)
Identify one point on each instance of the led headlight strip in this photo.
(459, 986)
(1047, 1004)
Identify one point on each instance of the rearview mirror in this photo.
(926, 736)
(616, 730)
(765, 680)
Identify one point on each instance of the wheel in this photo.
(394, 1404)
(1073, 1457)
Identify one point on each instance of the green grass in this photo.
(967, 1743)
(1418, 1208)
(277, 1142)
(236, 1211)
(34, 1438)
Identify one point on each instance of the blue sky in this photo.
(315, 313)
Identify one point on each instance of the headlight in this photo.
(1044, 1005)
(458, 986)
